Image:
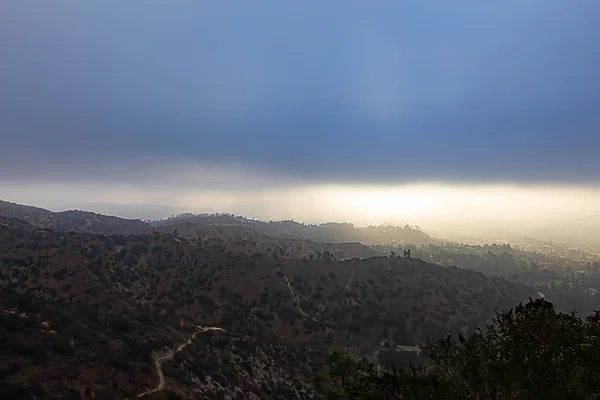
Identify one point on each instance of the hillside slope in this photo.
(241, 238)
(137, 295)
(73, 220)
(328, 232)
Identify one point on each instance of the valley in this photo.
(195, 310)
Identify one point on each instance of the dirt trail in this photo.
(350, 280)
(158, 361)
(295, 298)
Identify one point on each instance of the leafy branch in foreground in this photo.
(529, 352)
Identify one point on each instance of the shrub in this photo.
(527, 353)
(60, 274)
(122, 325)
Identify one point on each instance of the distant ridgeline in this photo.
(326, 232)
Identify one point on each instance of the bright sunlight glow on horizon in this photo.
(423, 204)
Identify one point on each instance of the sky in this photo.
(287, 108)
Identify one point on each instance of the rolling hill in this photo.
(108, 307)
(328, 232)
(73, 220)
(241, 238)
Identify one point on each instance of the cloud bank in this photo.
(336, 92)
(430, 112)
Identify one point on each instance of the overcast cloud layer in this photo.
(311, 91)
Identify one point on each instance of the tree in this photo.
(354, 379)
(392, 254)
(530, 352)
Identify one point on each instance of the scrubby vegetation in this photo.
(87, 315)
(529, 352)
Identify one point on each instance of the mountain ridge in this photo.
(72, 220)
(144, 293)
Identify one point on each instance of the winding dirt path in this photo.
(158, 361)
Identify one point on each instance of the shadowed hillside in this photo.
(73, 220)
(328, 232)
(241, 238)
(148, 293)
(89, 222)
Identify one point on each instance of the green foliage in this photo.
(530, 352)
(353, 379)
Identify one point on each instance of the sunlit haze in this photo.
(447, 117)
(202, 188)
(205, 199)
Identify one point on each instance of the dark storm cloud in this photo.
(319, 91)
